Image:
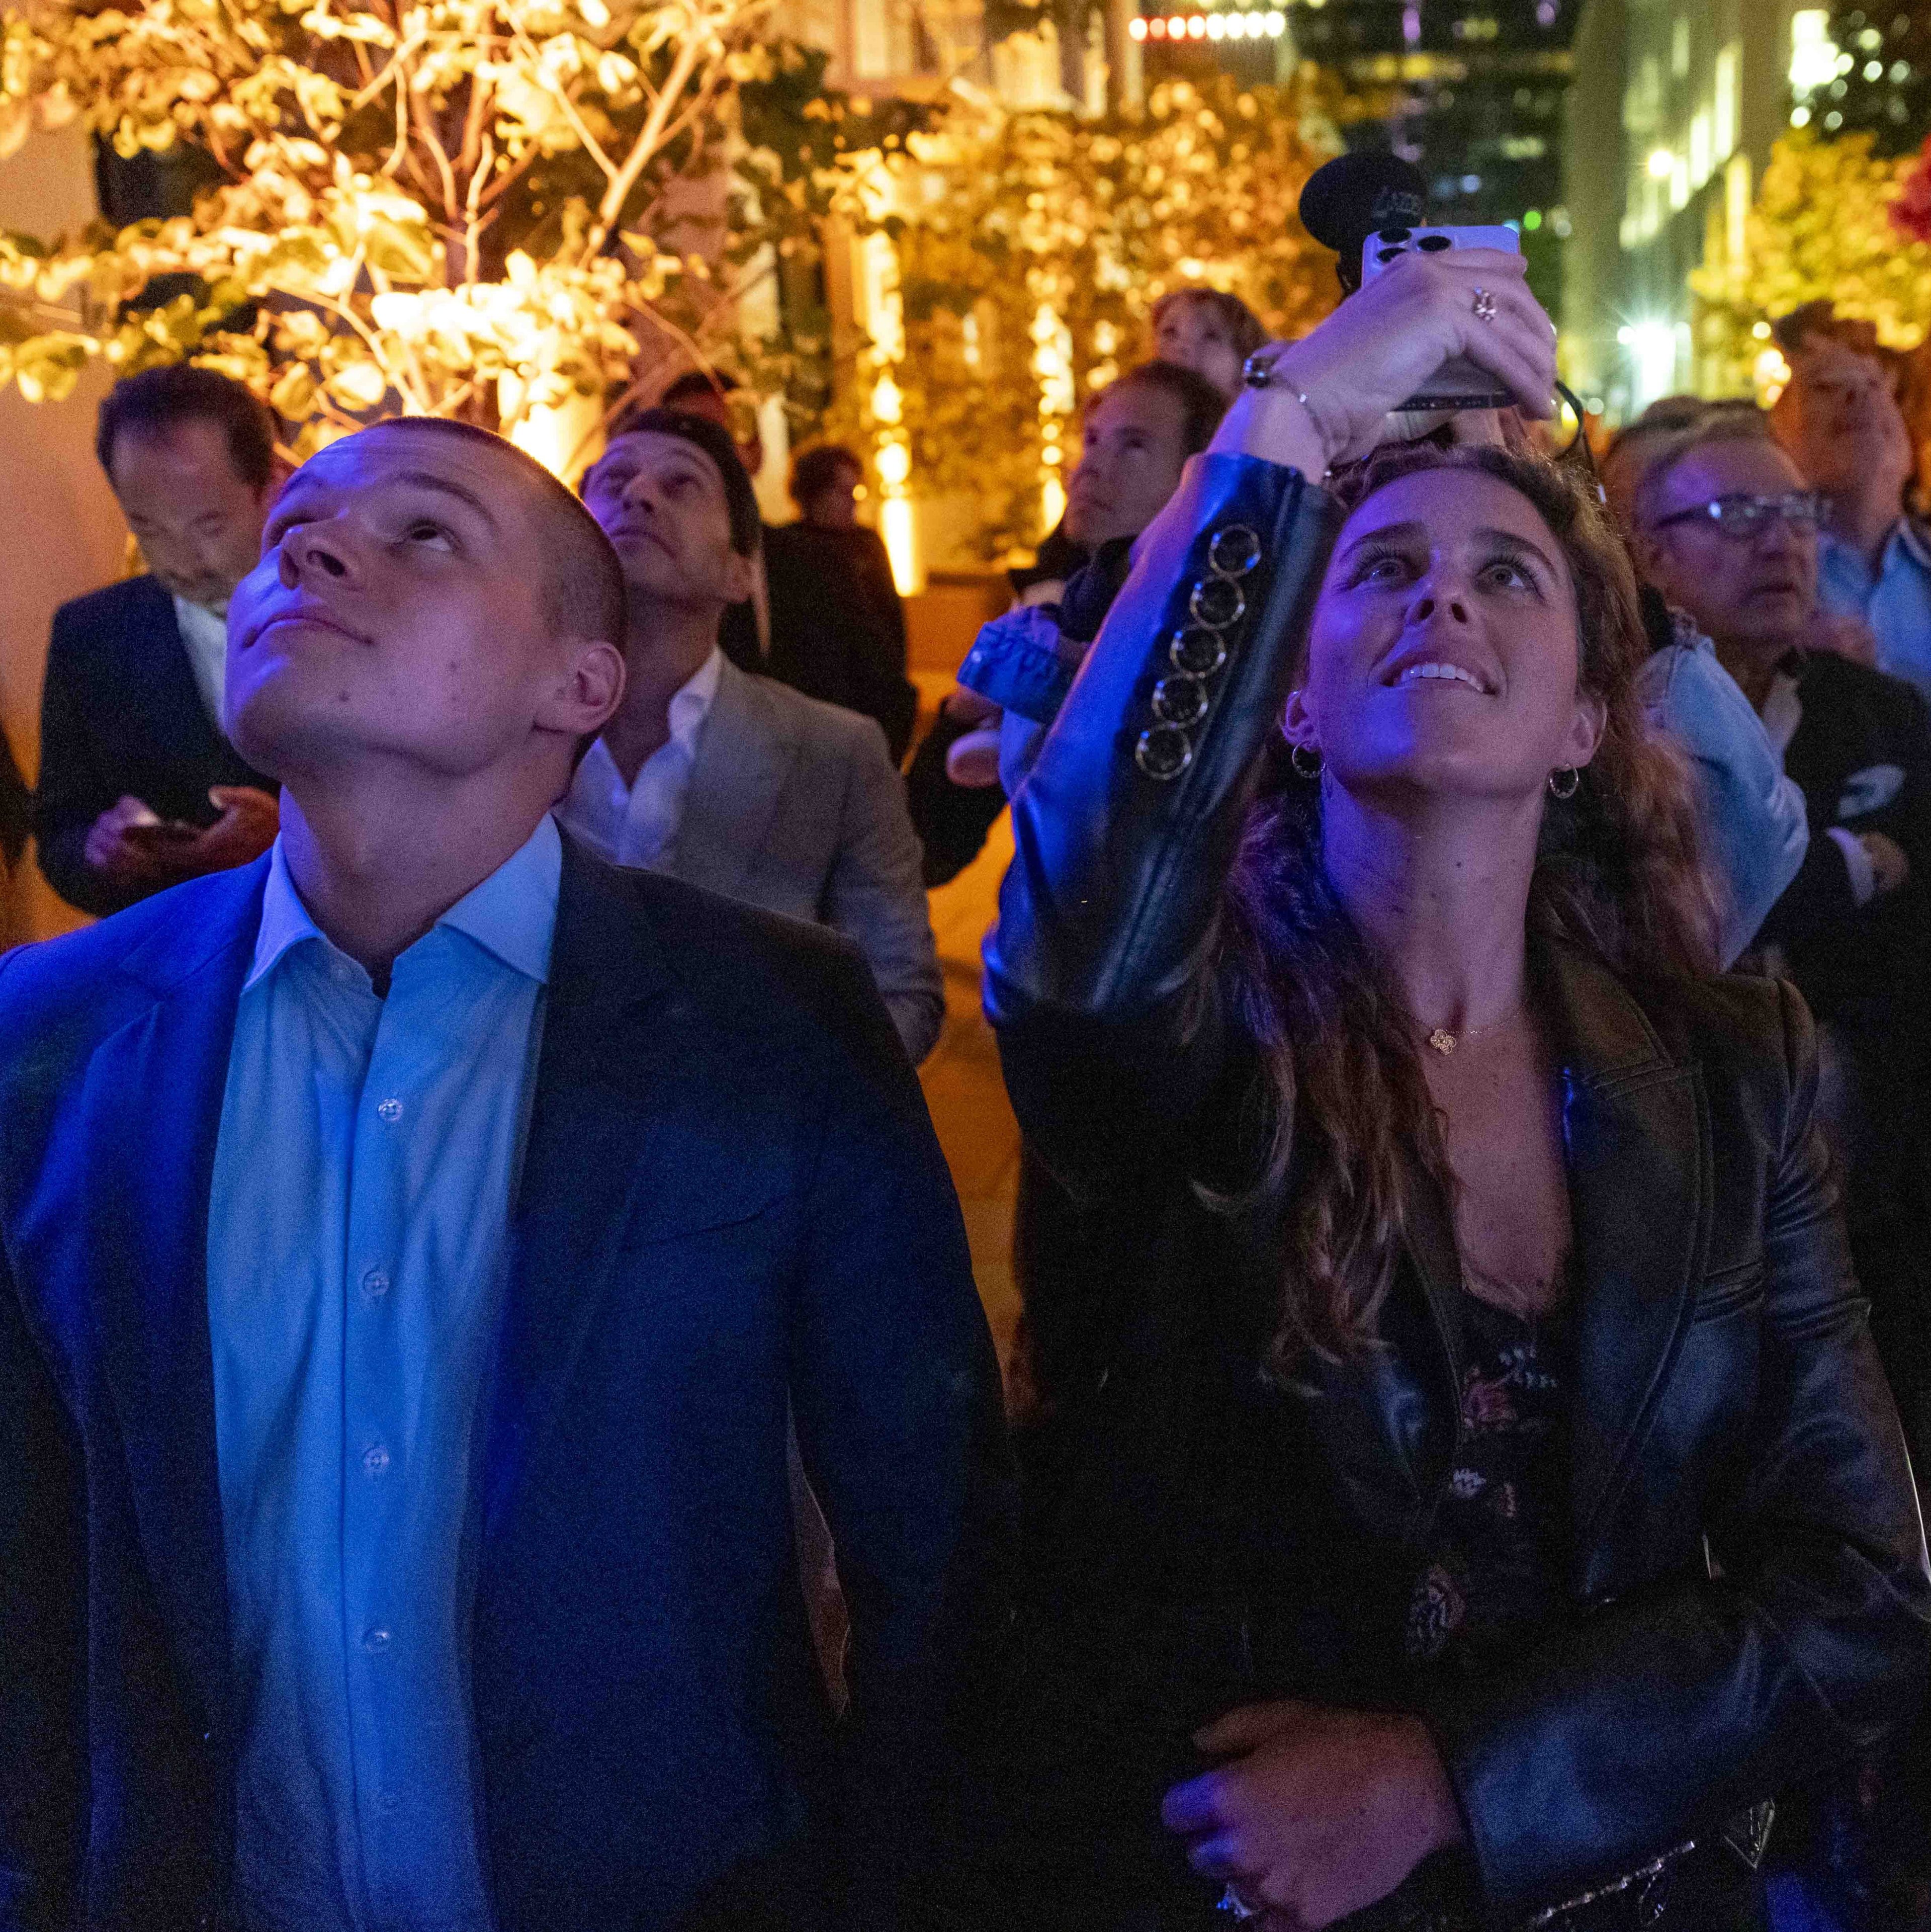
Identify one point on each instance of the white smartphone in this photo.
(1458, 384)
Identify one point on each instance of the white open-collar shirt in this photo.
(636, 824)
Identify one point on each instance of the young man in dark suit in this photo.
(139, 786)
(415, 1244)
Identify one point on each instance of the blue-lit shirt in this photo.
(1894, 599)
(357, 1242)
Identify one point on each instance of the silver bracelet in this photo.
(1257, 372)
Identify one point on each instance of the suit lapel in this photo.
(1635, 1136)
(744, 754)
(611, 1039)
(151, 1112)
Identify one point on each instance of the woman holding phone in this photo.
(1485, 1496)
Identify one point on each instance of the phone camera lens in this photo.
(1390, 254)
(1434, 243)
(1393, 235)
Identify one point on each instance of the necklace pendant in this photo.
(1443, 1041)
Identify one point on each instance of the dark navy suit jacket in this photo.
(732, 1197)
(121, 714)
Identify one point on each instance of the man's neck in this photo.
(1862, 517)
(667, 647)
(379, 856)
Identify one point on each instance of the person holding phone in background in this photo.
(139, 786)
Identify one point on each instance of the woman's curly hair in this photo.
(1348, 1113)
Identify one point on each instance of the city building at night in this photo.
(1665, 146)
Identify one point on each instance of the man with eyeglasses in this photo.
(1728, 533)
(1838, 420)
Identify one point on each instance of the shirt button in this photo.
(375, 1284)
(375, 1639)
(390, 1111)
(375, 1459)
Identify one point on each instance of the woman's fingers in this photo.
(1248, 1727)
(1384, 342)
(1222, 1856)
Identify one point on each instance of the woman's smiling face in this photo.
(1443, 653)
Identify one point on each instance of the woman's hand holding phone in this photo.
(1382, 345)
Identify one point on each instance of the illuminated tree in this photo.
(1031, 248)
(1832, 220)
(473, 207)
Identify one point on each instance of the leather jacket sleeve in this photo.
(1661, 1714)
(1124, 832)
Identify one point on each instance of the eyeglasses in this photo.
(1741, 518)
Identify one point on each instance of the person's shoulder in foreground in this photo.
(71, 980)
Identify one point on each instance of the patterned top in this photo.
(1497, 1545)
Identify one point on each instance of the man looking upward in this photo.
(1838, 420)
(729, 781)
(415, 1244)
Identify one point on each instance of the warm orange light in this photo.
(1137, 28)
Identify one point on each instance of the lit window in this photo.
(1723, 107)
(1813, 54)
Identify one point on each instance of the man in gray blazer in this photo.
(732, 782)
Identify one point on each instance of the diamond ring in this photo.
(1485, 306)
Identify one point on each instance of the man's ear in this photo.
(585, 697)
(1647, 552)
(739, 576)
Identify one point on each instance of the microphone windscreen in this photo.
(1349, 198)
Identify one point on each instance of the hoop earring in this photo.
(1312, 770)
(1558, 790)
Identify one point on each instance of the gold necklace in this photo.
(1445, 1043)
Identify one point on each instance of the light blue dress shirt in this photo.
(357, 1244)
(1894, 599)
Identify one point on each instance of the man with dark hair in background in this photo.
(414, 1246)
(139, 786)
(730, 781)
(838, 627)
(744, 635)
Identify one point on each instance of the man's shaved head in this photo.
(583, 585)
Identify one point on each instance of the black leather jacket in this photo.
(1747, 1574)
